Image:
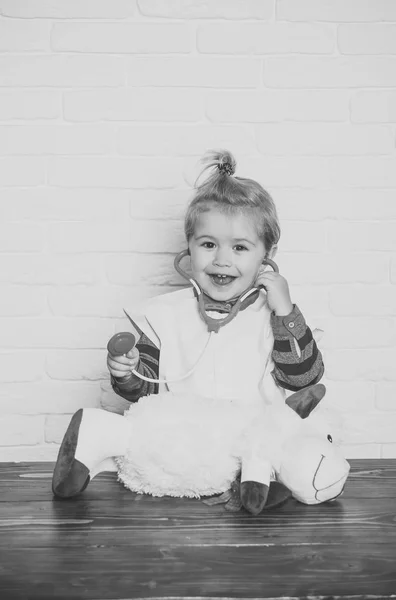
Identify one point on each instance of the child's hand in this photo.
(277, 288)
(121, 366)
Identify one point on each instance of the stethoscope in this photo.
(121, 343)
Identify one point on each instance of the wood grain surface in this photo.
(111, 543)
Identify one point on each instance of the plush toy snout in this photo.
(313, 469)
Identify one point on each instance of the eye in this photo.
(209, 245)
(330, 438)
(240, 248)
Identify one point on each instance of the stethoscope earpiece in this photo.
(215, 324)
(122, 342)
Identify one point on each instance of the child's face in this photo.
(226, 253)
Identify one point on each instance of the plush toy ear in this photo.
(304, 401)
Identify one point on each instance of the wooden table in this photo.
(111, 543)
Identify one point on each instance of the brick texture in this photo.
(106, 107)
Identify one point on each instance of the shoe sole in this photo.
(71, 476)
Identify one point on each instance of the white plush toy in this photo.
(171, 445)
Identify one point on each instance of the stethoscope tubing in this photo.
(213, 324)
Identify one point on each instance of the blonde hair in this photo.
(231, 194)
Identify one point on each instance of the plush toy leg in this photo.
(93, 436)
(255, 484)
(254, 496)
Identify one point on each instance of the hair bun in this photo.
(226, 168)
(220, 162)
(226, 162)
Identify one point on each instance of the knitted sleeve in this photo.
(148, 365)
(298, 361)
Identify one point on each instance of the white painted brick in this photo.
(194, 71)
(23, 301)
(21, 237)
(105, 301)
(47, 139)
(350, 397)
(328, 269)
(367, 39)
(64, 204)
(324, 139)
(265, 38)
(43, 269)
(386, 396)
(133, 105)
(138, 236)
(362, 204)
(159, 204)
(24, 36)
(351, 451)
(107, 38)
(48, 396)
(363, 300)
(117, 172)
(388, 451)
(270, 105)
(42, 452)
(285, 171)
(182, 140)
(318, 204)
(354, 332)
(309, 239)
(393, 269)
(20, 170)
(55, 332)
(312, 301)
(326, 72)
(373, 427)
(370, 172)
(360, 364)
(377, 106)
(20, 366)
(29, 104)
(291, 204)
(73, 9)
(66, 71)
(77, 365)
(21, 430)
(141, 271)
(336, 10)
(363, 236)
(199, 9)
(55, 427)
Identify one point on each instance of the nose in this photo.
(222, 258)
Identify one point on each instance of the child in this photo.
(231, 227)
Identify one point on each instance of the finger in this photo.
(113, 366)
(271, 275)
(133, 353)
(119, 374)
(264, 280)
(119, 359)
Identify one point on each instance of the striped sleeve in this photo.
(297, 359)
(148, 365)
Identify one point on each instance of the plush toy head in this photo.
(312, 467)
(305, 460)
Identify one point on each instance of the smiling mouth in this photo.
(221, 280)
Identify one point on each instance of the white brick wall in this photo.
(105, 108)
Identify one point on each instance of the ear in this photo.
(304, 401)
(272, 253)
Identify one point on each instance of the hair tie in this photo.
(226, 168)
